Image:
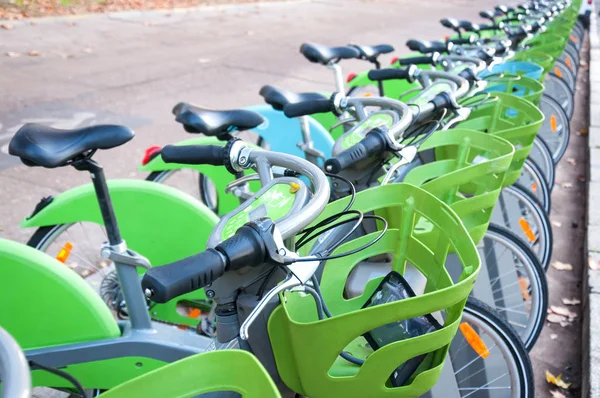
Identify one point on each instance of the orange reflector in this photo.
(568, 62)
(367, 95)
(524, 286)
(553, 123)
(474, 340)
(534, 187)
(557, 72)
(573, 38)
(527, 229)
(64, 253)
(195, 313)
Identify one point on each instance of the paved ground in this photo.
(132, 68)
(562, 355)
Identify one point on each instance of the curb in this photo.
(591, 278)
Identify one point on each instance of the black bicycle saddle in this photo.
(323, 55)
(372, 52)
(39, 145)
(427, 47)
(213, 123)
(278, 98)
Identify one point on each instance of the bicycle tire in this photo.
(561, 70)
(487, 314)
(536, 184)
(555, 129)
(530, 271)
(534, 212)
(559, 90)
(505, 345)
(541, 155)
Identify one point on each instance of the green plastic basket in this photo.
(538, 57)
(227, 370)
(521, 86)
(307, 349)
(512, 118)
(471, 182)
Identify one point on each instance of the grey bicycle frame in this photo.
(14, 369)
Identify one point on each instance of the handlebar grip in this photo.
(192, 273)
(388, 74)
(423, 60)
(460, 42)
(194, 154)
(245, 248)
(374, 143)
(307, 108)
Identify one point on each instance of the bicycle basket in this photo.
(512, 118)
(471, 181)
(518, 68)
(521, 86)
(307, 350)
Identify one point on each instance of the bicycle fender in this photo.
(157, 221)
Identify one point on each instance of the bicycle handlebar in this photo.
(245, 248)
(194, 154)
(373, 144)
(307, 108)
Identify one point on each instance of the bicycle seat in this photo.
(450, 23)
(469, 26)
(278, 98)
(372, 52)
(487, 14)
(39, 145)
(212, 123)
(427, 47)
(324, 55)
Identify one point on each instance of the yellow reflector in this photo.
(557, 72)
(64, 253)
(534, 187)
(294, 187)
(368, 95)
(527, 229)
(474, 340)
(553, 123)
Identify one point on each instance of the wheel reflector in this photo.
(474, 340)
(64, 253)
(527, 229)
(524, 286)
(534, 187)
(553, 123)
(557, 72)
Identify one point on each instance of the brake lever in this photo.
(299, 274)
(407, 155)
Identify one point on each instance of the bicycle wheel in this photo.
(532, 179)
(519, 212)
(570, 62)
(555, 129)
(558, 89)
(541, 156)
(562, 71)
(513, 282)
(191, 182)
(573, 51)
(501, 370)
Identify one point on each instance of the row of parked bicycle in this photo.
(389, 239)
